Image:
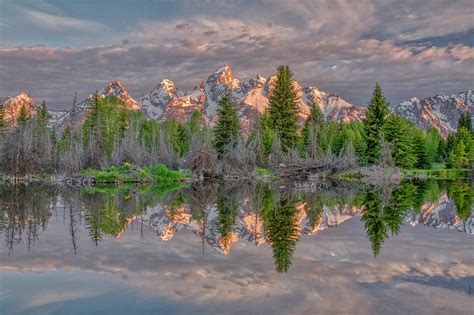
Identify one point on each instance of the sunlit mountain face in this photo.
(155, 242)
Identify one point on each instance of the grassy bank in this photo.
(447, 173)
(127, 174)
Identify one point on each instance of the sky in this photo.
(53, 48)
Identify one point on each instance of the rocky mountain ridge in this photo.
(251, 99)
(439, 111)
(13, 104)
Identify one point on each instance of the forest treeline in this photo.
(112, 135)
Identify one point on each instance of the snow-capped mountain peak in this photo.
(439, 111)
(13, 104)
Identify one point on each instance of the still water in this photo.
(252, 248)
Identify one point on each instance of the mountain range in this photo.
(251, 98)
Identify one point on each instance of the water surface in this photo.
(228, 249)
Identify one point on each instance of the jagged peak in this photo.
(224, 69)
(225, 76)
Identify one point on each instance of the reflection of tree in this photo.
(227, 217)
(399, 204)
(373, 220)
(93, 221)
(110, 214)
(462, 194)
(281, 229)
(25, 212)
(313, 208)
(200, 197)
(380, 218)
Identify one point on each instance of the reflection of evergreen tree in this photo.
(93, 221)
(313, 208)
(282, 232)
(25, 213)
(462, 194)
(400, 203)
(374, 220)
(227, 211)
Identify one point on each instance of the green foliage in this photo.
(42, 117)
(126, 174)
(465, 122)
(227, 130)
(266, 174)
(283, 109)
(419, 146)
(433, 143)
(462, 193)
(101, 130)
(373, 123)
(23, 116)
(267, 133)
(461, 154)
(398, 131)
(312, 129)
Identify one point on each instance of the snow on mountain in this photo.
(153, 103)
(13, 104)
(251, 99)
(439, 111)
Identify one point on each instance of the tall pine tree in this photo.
(312, 127)
(227, 130)
(373, 123)
(283, 109)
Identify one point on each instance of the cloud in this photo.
(55, 22)
(343, 47)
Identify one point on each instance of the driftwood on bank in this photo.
(307, 170)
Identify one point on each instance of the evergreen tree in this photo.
(283, 109)
(398, 131)
(373, 123)
(267, 133)
(433, 141)
(196, 123)
(465, 122)
(419, 146)
(42, 116)
(227, 130)
(312, 127)
(23, 116)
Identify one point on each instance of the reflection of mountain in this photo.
(441, 214)
(248, 225)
